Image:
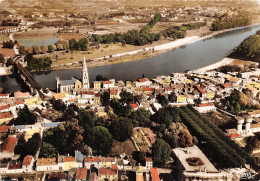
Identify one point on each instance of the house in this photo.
(134, 106)
(154, 174)
(205, 107)
(148, 162)
(27, 164)
(7, 150)
(107, 174)
(139, 173)
(97, 84)
(113, 94)
(4, 130)
(4, 108)
(47, 164)
(14, 168)
(69, 163)
(4, 96)
(97, 98)
(87, 94)
(81, 174)
(99, 162)
(143, 82)
(128, 84)
(108, 84)
(93, 176)
(203, 94)
(57, 176)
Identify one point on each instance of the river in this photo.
(193, 56)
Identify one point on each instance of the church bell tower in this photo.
(85, 77)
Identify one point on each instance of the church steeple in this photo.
(85, 77)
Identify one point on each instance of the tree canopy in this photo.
(121, 128)
(161, 152)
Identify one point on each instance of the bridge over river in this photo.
(28, 79)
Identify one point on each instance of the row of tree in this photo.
(249, 49)
(8, 44)
(214, 143)
(82, 44)
(231, 23)
(132, 37)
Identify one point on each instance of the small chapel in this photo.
(72, 84)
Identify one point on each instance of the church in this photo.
(69, 86)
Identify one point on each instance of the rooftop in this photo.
(46, 161)
(27, 160)
(106, 171)
(9, 144)
(154, 174)
(81, 173)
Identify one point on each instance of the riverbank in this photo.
(142, 53)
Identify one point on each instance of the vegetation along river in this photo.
(193, 56)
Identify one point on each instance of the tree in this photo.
(126, 97)
(50, 48)
(141, 117)
(86, 119)
(59, 105)
(72, 43)
(105, 99)
(160, 152)
(25, 117)
(122, 129)
(99, 139)
(33, 144)
(48, 150)
(162, 100)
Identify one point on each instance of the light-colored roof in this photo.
(46, 161)
(68, 82)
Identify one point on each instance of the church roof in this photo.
(68, 82)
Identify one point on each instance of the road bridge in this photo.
(28, 79)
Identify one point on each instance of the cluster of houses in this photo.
(78, 167)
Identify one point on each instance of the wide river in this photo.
(196, 55)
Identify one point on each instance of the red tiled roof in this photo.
(226, 85)
(81, 174)
(143, 80)
(88, 92)
(94, 159)
(6, 115)
(107, 82)
(148, 159)
(113, 92)
(15, 166)
(4, 107)
(233, 135)
(148, 89)
(4, 129)
(134, 106)
(154, 174)
(19, 102)
(200, 89)
(230, 130)
(114, 167)
(106, 171)
(57, 176)
(9, 144)
(69, 159)
(168, 88)
(206, 104)
(27, 160)
(3, 95)
(93, 176)
(97, 95)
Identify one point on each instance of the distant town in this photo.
(201, 124)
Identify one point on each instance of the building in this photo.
(47, 164)
(107, 174)
(81, 174)
(5, 117)
(139, 173)
(99, 162)
(7, 150)
(154, 174)
(27, 164)
(70, 85)
(85, 76)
